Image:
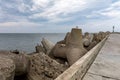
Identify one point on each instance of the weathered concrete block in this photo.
(22, 64)
(2, 77)
(86, 42)
(75, 38)
(92, 44)
(73, 54)
(21, 61)
(79, 68)
(88, 38)
(73, 46)
(39, 48)
(42, 67)
(47, 45)
(7, 69)
(60, 50)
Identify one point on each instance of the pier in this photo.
(107, 64)
(100, 63)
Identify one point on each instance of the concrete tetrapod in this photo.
(39, 48)
(73, 48)
(42, 67)
(47, 45)
(86, 42)
(22, 63)
(60, 48)
(7, 69)
(20, 60)
(87, 39)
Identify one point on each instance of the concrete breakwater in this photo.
(50, 60)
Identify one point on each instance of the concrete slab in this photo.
(90, 76)
(107, 64)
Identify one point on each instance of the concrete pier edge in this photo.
(79, 68)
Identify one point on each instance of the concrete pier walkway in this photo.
(107, 64)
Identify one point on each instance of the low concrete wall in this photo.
(79, 68)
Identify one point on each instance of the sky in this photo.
(58, 16)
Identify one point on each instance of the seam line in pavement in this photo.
(103, 76)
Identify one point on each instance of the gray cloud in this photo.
(58, 13)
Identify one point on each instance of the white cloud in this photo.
(113, 11)
(39, 4)
(23, 7)
(61, 7)
(64, 8)
(116, 4)
(100, 25)
(19, 24)
(64, 12)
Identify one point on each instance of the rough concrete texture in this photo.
(60, 50)
(79, 68)
(47, 45)
(107, 63)
(39, 48)
(86, 42)
(21, 61)
(42, 67)
(66, 39)
(2, 77)
(99, 36)
(7, 69)
(75, 46)
(73, 54)
(75, 38)
(89, 40)
(71, 47)
(92, 44)
(88, 36)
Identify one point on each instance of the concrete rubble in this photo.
(20, 60)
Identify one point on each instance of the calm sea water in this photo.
(26, 42)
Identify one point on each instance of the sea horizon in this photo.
(26, 41)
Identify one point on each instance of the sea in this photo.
(26, 41)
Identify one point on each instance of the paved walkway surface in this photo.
(107, 64)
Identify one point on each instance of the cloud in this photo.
(28, 27)
(51, 10)
(23, 8)
(112, 11)
(65, 9)
(20, 27)
(19, 24)
(45, 15)
(59, 8)
(39, 4)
